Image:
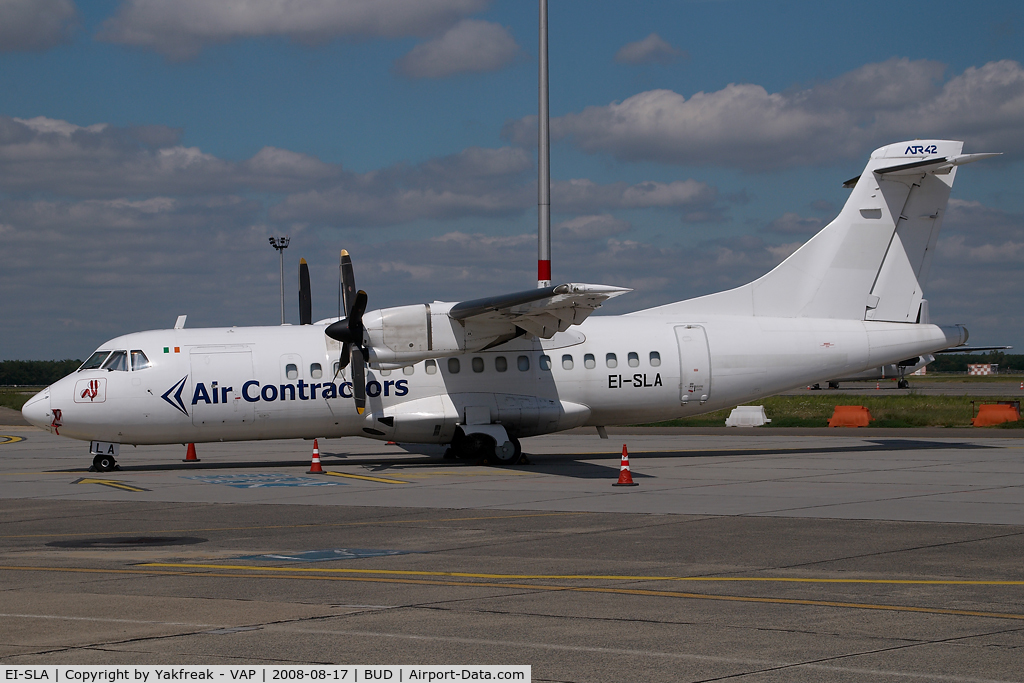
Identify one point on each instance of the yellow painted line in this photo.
(365, 478)
(492, 473)
(6, 439)
(311, 525)
(542, 587)
(112, 483)
(590, 577)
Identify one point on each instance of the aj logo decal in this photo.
(91, 390)
(175, 392)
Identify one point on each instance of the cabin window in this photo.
(611, 360)
(315, 371)
(95, 360)
(478, 364)
(500, 364)
(655, 359)
(545, 362)
(567, 362)
(139, 360)
(430, 366)
(385, 373)
(633, 359)
(337, 368)
(588, 361)
(118, 360)
(408, 370)
(523, 363)
(291, 371)
(453, 366)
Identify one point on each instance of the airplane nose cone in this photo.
(37, 410)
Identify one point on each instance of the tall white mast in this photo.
(543, 161)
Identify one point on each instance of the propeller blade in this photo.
(358, 379)
(347, 283)
(305, 298)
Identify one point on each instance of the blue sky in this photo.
(148, 148)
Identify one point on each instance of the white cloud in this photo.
(36, 25)
(651, 50)
(591, 227)
(180, 29)
(745, 126)
(794, 224)
(471, 46)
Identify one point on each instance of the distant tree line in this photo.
(35, 372)
(958, 362)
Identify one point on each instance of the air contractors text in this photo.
(303, 391)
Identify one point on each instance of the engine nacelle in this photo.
(408, 334)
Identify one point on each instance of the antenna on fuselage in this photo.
(543, 161)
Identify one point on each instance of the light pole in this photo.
(281, 243)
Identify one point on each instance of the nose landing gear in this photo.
(104, 463)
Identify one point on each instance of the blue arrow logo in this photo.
(176, 389)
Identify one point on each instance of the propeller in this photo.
(305, 298)
(349, 331)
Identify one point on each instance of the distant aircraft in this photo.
(899, 371)
(482, 374)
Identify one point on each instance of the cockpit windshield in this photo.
(139, 360)
(118, 360)
(95, 360)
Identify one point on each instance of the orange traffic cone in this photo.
(625, 478)
(190, 454)
(315, 468)
(876, 386)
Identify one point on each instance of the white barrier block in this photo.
(747, 416)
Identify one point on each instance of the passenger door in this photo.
(694, 364)
(222, 371)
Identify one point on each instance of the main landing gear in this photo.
(486, 448)
(104, 463)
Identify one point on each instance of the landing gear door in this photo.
(694, 365)
(217, 379)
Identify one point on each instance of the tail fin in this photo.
(868, 263)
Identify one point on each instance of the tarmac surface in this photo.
(743, 554)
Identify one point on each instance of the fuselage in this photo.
(249, 383)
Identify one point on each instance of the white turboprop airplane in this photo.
(482, 374)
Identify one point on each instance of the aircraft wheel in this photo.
(903, 384)
(833, 385)
(104, 463)
(509, 453)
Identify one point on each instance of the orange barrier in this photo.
(995, 414)
(850, 416)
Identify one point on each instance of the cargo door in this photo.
(694, 364)
(217, 379)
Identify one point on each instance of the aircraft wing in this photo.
(541, 312)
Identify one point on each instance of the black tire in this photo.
(104, 463)
(903, 384)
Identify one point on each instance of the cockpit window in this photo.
(95, 360)
(118, 360)
(139, 360)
